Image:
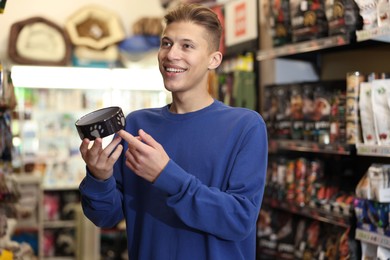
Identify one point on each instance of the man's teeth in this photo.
(174, 70)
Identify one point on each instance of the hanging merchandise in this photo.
(38, 41)
(7, 103)
(143, 44)
(95, 32)
(2, 5)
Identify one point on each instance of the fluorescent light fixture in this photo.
(137, 78)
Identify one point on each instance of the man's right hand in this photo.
(100, 162)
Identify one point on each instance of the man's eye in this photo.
(166, 44)
(187, 46)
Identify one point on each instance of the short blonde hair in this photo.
(200, 15)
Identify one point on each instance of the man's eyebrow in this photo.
(165, 38)
(181, 40)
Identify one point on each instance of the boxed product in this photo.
(308, 20)
(343, 17)
(280, 22)
(380, 105)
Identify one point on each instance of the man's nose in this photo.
(173, 53)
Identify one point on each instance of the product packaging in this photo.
(283, 119)
(337, 117)
(369, 251)
(383, 253)
(290, 180)
(280, 22)
(269, 111)
(321, 115)
(296, 110)
(366, 113)
(352, 112)
(266, 233)
(301, 171)
(381, 110)
(343, 17)
(383, 13)
(308, 20)
(308, 110)
(368, 12)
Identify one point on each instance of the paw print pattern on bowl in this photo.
(96, 131)
(121, 119)
(101, 123)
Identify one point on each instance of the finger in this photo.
(129, 138)
(130, 160)
(84, 147)
(115, 154)
(134, 142)
(148, 139)
(96, 147)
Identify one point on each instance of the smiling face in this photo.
(185, 57)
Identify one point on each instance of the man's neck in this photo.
(180, 106)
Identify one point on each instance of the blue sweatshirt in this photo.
(205, 203)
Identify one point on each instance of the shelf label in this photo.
(372, 238)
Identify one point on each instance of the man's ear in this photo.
(215, 60)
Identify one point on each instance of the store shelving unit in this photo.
(310, 51)
(49, 103)
(59, 223)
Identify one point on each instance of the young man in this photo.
(189, 177)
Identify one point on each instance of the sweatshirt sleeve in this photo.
(101, 201)
(229, 214)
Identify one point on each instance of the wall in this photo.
(58, 12)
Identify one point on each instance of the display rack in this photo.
(356, 154)
(50, 100)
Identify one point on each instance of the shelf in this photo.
(61, 188)
(59, 258)
(372, 238)
(137, 79)
(304, 146)
(313, 213)
(59, 224)
(302, 47)
(373, 150)
(377, 34)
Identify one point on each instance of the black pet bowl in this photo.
(100, 123)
